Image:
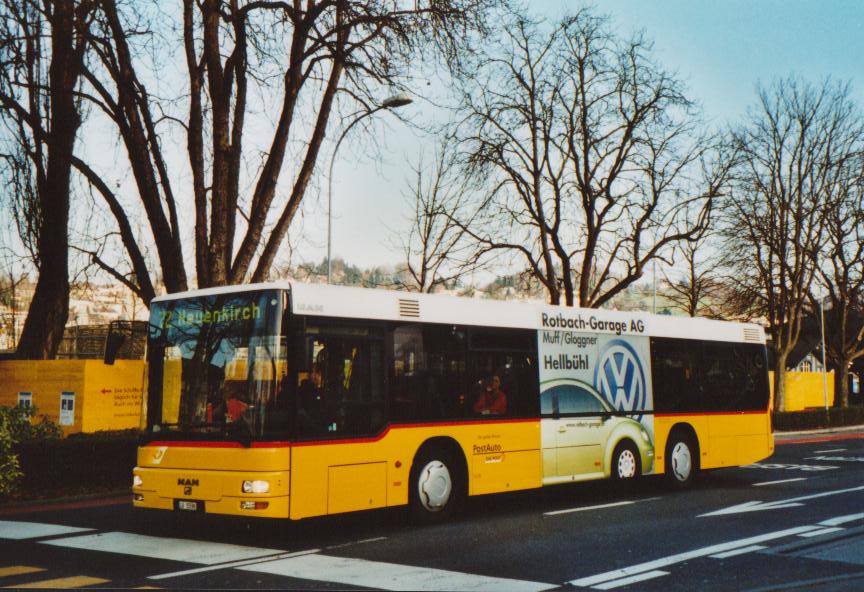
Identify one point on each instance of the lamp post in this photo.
(824, 369)
(393, 102)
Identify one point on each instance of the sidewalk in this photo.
(89, 500)
(822, 435)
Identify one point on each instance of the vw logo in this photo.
(619, 377)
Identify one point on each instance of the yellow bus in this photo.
(290, 400)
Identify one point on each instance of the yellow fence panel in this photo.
(805, 390)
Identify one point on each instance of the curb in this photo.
(103, 498)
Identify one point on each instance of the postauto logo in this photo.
(620, 378)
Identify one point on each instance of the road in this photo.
(792, 522)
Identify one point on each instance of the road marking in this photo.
(816, 533)
(389, 576)
(185, 550)
(231, 564)
(842, 520)
(687, 556)
(598, 507)
(587, 508)
(778, 466)
(832, 450)
(855, 459)
(734, 552)
(789, 503)
(780, 481)
(18, 570)
(33, 530)
(360, 542)
(71, 582)
(631, 580)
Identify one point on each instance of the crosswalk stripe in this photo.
(18, 570)
(324, 568)
(184, 550)
(70, 582)
(17, 531)
(218, 566)
(389, 576)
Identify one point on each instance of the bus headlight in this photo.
(137, 481)
(256, 486)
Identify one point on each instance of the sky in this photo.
(720, 49)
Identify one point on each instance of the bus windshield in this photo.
(215, 363)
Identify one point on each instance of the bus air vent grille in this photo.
(754, 335)
(409, 308)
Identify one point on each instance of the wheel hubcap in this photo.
(435, 486)
(682, 463)
(626, 465)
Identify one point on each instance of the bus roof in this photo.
(324, 300)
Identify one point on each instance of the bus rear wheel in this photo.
(436, 487)
(626, 465)
(682, 461)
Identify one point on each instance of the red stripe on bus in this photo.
(366, 440)
(188, 444)
(709, 413)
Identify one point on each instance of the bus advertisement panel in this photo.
(596, 395)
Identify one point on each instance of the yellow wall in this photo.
(106, 397)
(805, 389)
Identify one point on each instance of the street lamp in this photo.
(824, 369)
(393, 102)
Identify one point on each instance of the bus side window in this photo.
(427, 373)
(675, 367)
(508, 358)
(343, 391)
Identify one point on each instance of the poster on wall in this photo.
(67, 408)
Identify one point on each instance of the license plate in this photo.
(187, 506)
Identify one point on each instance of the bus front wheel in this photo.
(682, 461)
(436, 488)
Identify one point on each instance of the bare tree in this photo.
(436, 251)
(841, 270)
(42, 48)
(699, 290)
(792, 152)
(315, 55)
(590, 152)
(10, 283)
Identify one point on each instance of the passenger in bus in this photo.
(309, 403)
(492, 400)
(231, 408)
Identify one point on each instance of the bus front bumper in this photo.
(212, 492)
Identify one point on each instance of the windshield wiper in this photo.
(240, 430)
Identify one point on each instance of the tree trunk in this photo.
(841, 383)
(49, 309)
(780, 381)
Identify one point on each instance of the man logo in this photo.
(619, 377)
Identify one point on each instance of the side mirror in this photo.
(113, 343)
